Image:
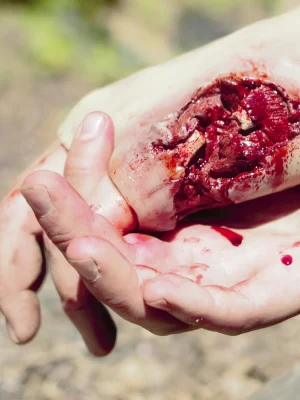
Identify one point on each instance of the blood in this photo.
(140, 238)
(287, 260)
(234, 238)
(277, 166)
(14, 193)
(203, 267)
(192, 240)
(191, 272)
(42, 161)
(198, 278)
(241, 121)
(221, 288)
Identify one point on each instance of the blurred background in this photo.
(52, 53)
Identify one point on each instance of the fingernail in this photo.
(11, 332)
(87, 269)
(92, 126)
(38, 198)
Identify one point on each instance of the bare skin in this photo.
(262, 48)
(195, 276)
(25, 251)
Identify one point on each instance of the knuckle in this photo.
(62, 239)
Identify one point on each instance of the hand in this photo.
(200, 275)
(135, 104)
(58, 208)
(23, 259)
(22, 263)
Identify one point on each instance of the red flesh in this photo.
(243, 120)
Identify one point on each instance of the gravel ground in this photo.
(198, 365)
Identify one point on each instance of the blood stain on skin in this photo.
(191, 272)
(278, 166)
(204, 267)
(221, 288)
(198, 278)
(287, 260)
(42, 161)
(142, 238)
(14, 193)
(256, 68)
(192, 240)
(234, 238)
(296, 244)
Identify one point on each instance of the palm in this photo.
(259, 235)
(256, 254)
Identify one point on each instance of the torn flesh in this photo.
(235, 140)
(226, 132)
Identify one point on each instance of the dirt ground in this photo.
(55, 366)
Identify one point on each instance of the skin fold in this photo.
(200, 275)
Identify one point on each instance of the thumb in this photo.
(90, 153)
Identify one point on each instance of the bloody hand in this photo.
(212, 272)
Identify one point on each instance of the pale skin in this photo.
(194, 276)
(156, 286)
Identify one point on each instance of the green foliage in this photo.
(226, 6)
(64, 36)
(50, 46)
(153, 12)
(70, 36)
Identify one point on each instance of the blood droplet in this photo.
(198, 278)
(42, 161)
(234, 238)
(287, 259)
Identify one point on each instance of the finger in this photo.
(108, 275)
(211, 307)
(88, 315)
(116, 283)
(86, 164)
(22, 313)
(21, 267)
(87, 170)
(63, 213)
(90, 152)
